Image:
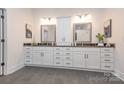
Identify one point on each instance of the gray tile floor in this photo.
(40, 75)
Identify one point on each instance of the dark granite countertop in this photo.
(88, 45)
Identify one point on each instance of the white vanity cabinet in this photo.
(63, 56)
(28, 55)
(92, 58)
(107, 59)
(39, 55)
(43, 55)
(86, 58)
(79, 58)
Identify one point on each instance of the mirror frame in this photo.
(90, 32)
(42, 32)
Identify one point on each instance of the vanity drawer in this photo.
(28, 56)
(27, 53)
(107, 55)
(67, 53)
(27, 48)
(58, 63)
(107, 60)
(107, 50)
(68, 63)
(67, 58)
(28, 61)
(58, 48)
(67, 49)
(107, 66)
(57, 58)
(77, 49)
(57, 53)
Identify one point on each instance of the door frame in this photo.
(4, 42)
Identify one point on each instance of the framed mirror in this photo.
(82, 32)
(48, 33)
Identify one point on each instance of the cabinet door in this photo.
(38, 57)
(93, 60)
(48, 58)
(78, 60)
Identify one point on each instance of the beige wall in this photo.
(58, 12)
(117, 16)
(16, 20)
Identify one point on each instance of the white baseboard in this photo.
(14, 69)
(119, 74)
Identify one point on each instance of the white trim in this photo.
(119, 74)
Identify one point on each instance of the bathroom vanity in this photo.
(91, 58)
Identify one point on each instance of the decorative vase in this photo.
(100, 43)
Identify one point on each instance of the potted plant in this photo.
(100, 38)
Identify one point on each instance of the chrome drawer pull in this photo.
(27, 61)
(106, 50)
(107, 66)
(67, 53)
(107, 55)
(27, 56)
(67, 57)
(57, 53)
(68, 63)
(27, 52)
(106, 60)
(27, 48)
(57, 57)
(57, 62)
(67, 49)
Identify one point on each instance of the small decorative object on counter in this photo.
(34, 43)
(100, 38)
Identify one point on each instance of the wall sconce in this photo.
(82, 18)
(87, 16)
(48, 20)
(79, 16)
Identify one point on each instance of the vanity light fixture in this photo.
(79, 16)
(87, 16)
(48, 20)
